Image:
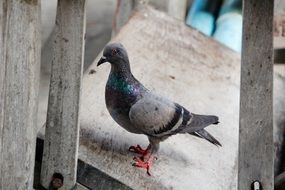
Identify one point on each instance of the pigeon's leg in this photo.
(139, 150)
(146, 161)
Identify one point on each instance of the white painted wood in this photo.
(185, 66)
(62, 126)
(256, 112)
(19, 82)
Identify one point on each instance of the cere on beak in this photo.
(102, 60)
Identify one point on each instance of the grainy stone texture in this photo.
(256, 98)
(19, 82)
(183, 65)
(62, 127)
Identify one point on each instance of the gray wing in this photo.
(156, 116)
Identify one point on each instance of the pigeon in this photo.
(141, 111)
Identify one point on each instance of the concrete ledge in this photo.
(181, 64)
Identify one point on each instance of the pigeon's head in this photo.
(115, 54)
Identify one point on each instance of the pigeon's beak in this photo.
(102, 60)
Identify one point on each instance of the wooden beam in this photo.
(62, 126)
(19, 81)
(256, 123)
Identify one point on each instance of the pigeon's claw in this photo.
(142, 164)
(139, 150)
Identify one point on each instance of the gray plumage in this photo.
(141, 111)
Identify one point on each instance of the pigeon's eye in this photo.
(114, 52)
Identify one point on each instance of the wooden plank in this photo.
(182, 65)
(62, 126)
(256, 123)
(19, 82)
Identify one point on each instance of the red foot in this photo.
(141, 164)
(139, 150)
(144, 164)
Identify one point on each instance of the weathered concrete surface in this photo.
(185, 66)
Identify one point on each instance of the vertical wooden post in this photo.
(62, 126)
(256, 123)
(19, 83)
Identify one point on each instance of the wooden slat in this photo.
(62, 126)
(256, 123)
(19, 82)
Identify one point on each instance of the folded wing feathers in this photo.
(173, 124)
(157, 116)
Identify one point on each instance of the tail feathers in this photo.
(205, 135)
(199, 122)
